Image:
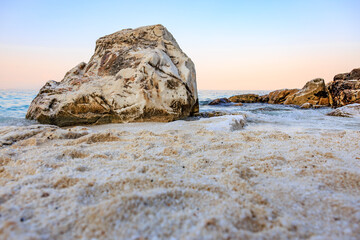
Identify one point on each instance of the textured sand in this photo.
(180, 180)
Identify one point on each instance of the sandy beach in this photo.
(180, 120)
(178, 180)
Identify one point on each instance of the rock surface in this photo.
(306, 106)
(134, 75)
(351, 110)
(245, 98)
(353, 75)
(313, 92)
(219, 101)
(280, 96)
(345, 89)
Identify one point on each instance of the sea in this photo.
(14, 105)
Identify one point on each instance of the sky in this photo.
(235, 45)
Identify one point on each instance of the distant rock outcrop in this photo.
(345, 89)
(353, 75)
(134, 75)
(280, 96)
(314, 92)
(219, 101)
(245, 98)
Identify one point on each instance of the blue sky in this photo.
(233, 39)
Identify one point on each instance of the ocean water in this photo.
(13, 107)
(14, 104)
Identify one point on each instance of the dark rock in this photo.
(219, 101)
(345, 89)
(353, 75)
(264, 98)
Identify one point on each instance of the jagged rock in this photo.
(279, 96)
(313, 92)
(353, 75)
(325, 101)
(245, 98)
(238, 104)
(345, 89)
(264, 98)
(219, 101)
(134, 75)
(351, 110)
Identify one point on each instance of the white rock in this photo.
(134, 75)
(351, 110)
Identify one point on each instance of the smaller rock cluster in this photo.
(343, 90)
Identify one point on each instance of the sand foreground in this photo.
(180, 180)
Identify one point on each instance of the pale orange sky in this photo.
(244, 69)
(235, 45)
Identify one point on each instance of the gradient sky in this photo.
(235, 45)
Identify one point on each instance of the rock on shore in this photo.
(351, 110)
(345, 89)
(219, 101)
(134, 75)
(353, 75)
(245, 98)
(314, 92)
(280, 96)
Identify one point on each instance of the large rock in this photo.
(351, 110)
(345, 89)
(279, 96)
(314, 92)
(134, 75)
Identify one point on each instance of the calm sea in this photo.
(14, 104)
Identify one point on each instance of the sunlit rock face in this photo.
(279, 96)
(314, 92)
(134, 75)
(245, 98)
